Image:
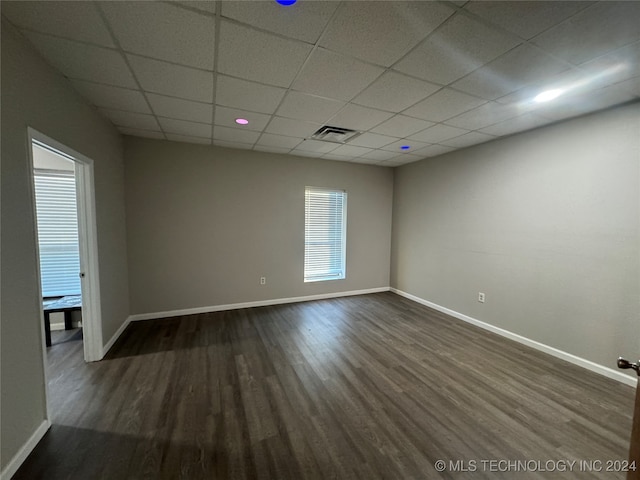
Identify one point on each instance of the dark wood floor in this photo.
(374, 386)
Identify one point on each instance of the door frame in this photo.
(88, 246)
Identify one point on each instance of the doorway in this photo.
(78, 176)
(57, 222)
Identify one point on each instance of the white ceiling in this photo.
(437, 76)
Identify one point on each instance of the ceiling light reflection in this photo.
(578, 82)
(548, 95)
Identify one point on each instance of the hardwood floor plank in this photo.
(371, 386)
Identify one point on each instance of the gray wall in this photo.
(205, 223)
(34, 95)
(546, 223)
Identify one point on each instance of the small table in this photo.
(65, 304)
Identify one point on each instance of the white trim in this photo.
(88, 233)
(312, 203)
(34, 218)
(19, 458)
(569, 357)
(258, 303)
(115, 336)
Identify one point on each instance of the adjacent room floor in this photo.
(373, 386)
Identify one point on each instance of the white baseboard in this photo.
(19, 458)
(115, 337)
(258, 303)
(582, 362)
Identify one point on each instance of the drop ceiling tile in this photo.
(262, 148)
(84, 62)
(468, 139)
(606, 31)
(414, 144)
(180, 109)
(391, 163)
(188, 139)
(74, 20)
(615, 66)
(112, 97)
(234, 145)
(523, 65)
(372, 140)
(227, 117)
(305, 153)
(174, 80)
(610, 69)
(356, 117)
(302, 106)
(394, 92)
(182, 127)
(259, 56)
(455, 50)
(438, 133)
(573, 105)
(443, 105)
(379, 155)
(292, 128)
(316, 146)
(278, 141)
(516, 124)
(363, 161)
(332, 75)
(401, 159)
(163, 31)
(340, 158)
(131, 120)
(382, 32)
(433, 150)
(406, 163)
(574, 80)
(305, 21)
(632, 86)
(526, 18)
(401, 126)
(351, 150)
(228, 134)
(561, 111)
(609, 96)
(233, 92)
(485, 115)
(136, 132)
(594, 31)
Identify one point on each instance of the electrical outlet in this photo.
(481, 297)
(263, 280)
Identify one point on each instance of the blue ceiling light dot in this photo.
(405, 147)
(286, 3)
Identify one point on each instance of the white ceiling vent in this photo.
(328, 133)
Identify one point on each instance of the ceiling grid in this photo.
(434, 76)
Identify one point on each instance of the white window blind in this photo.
(325, 234)
(57, 232)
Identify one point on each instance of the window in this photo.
(325, 234)
(57, 232)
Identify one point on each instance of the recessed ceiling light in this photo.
(405, 147)
(286, 3)
(548, 95)
(242, 121)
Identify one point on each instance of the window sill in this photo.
(326, 279)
